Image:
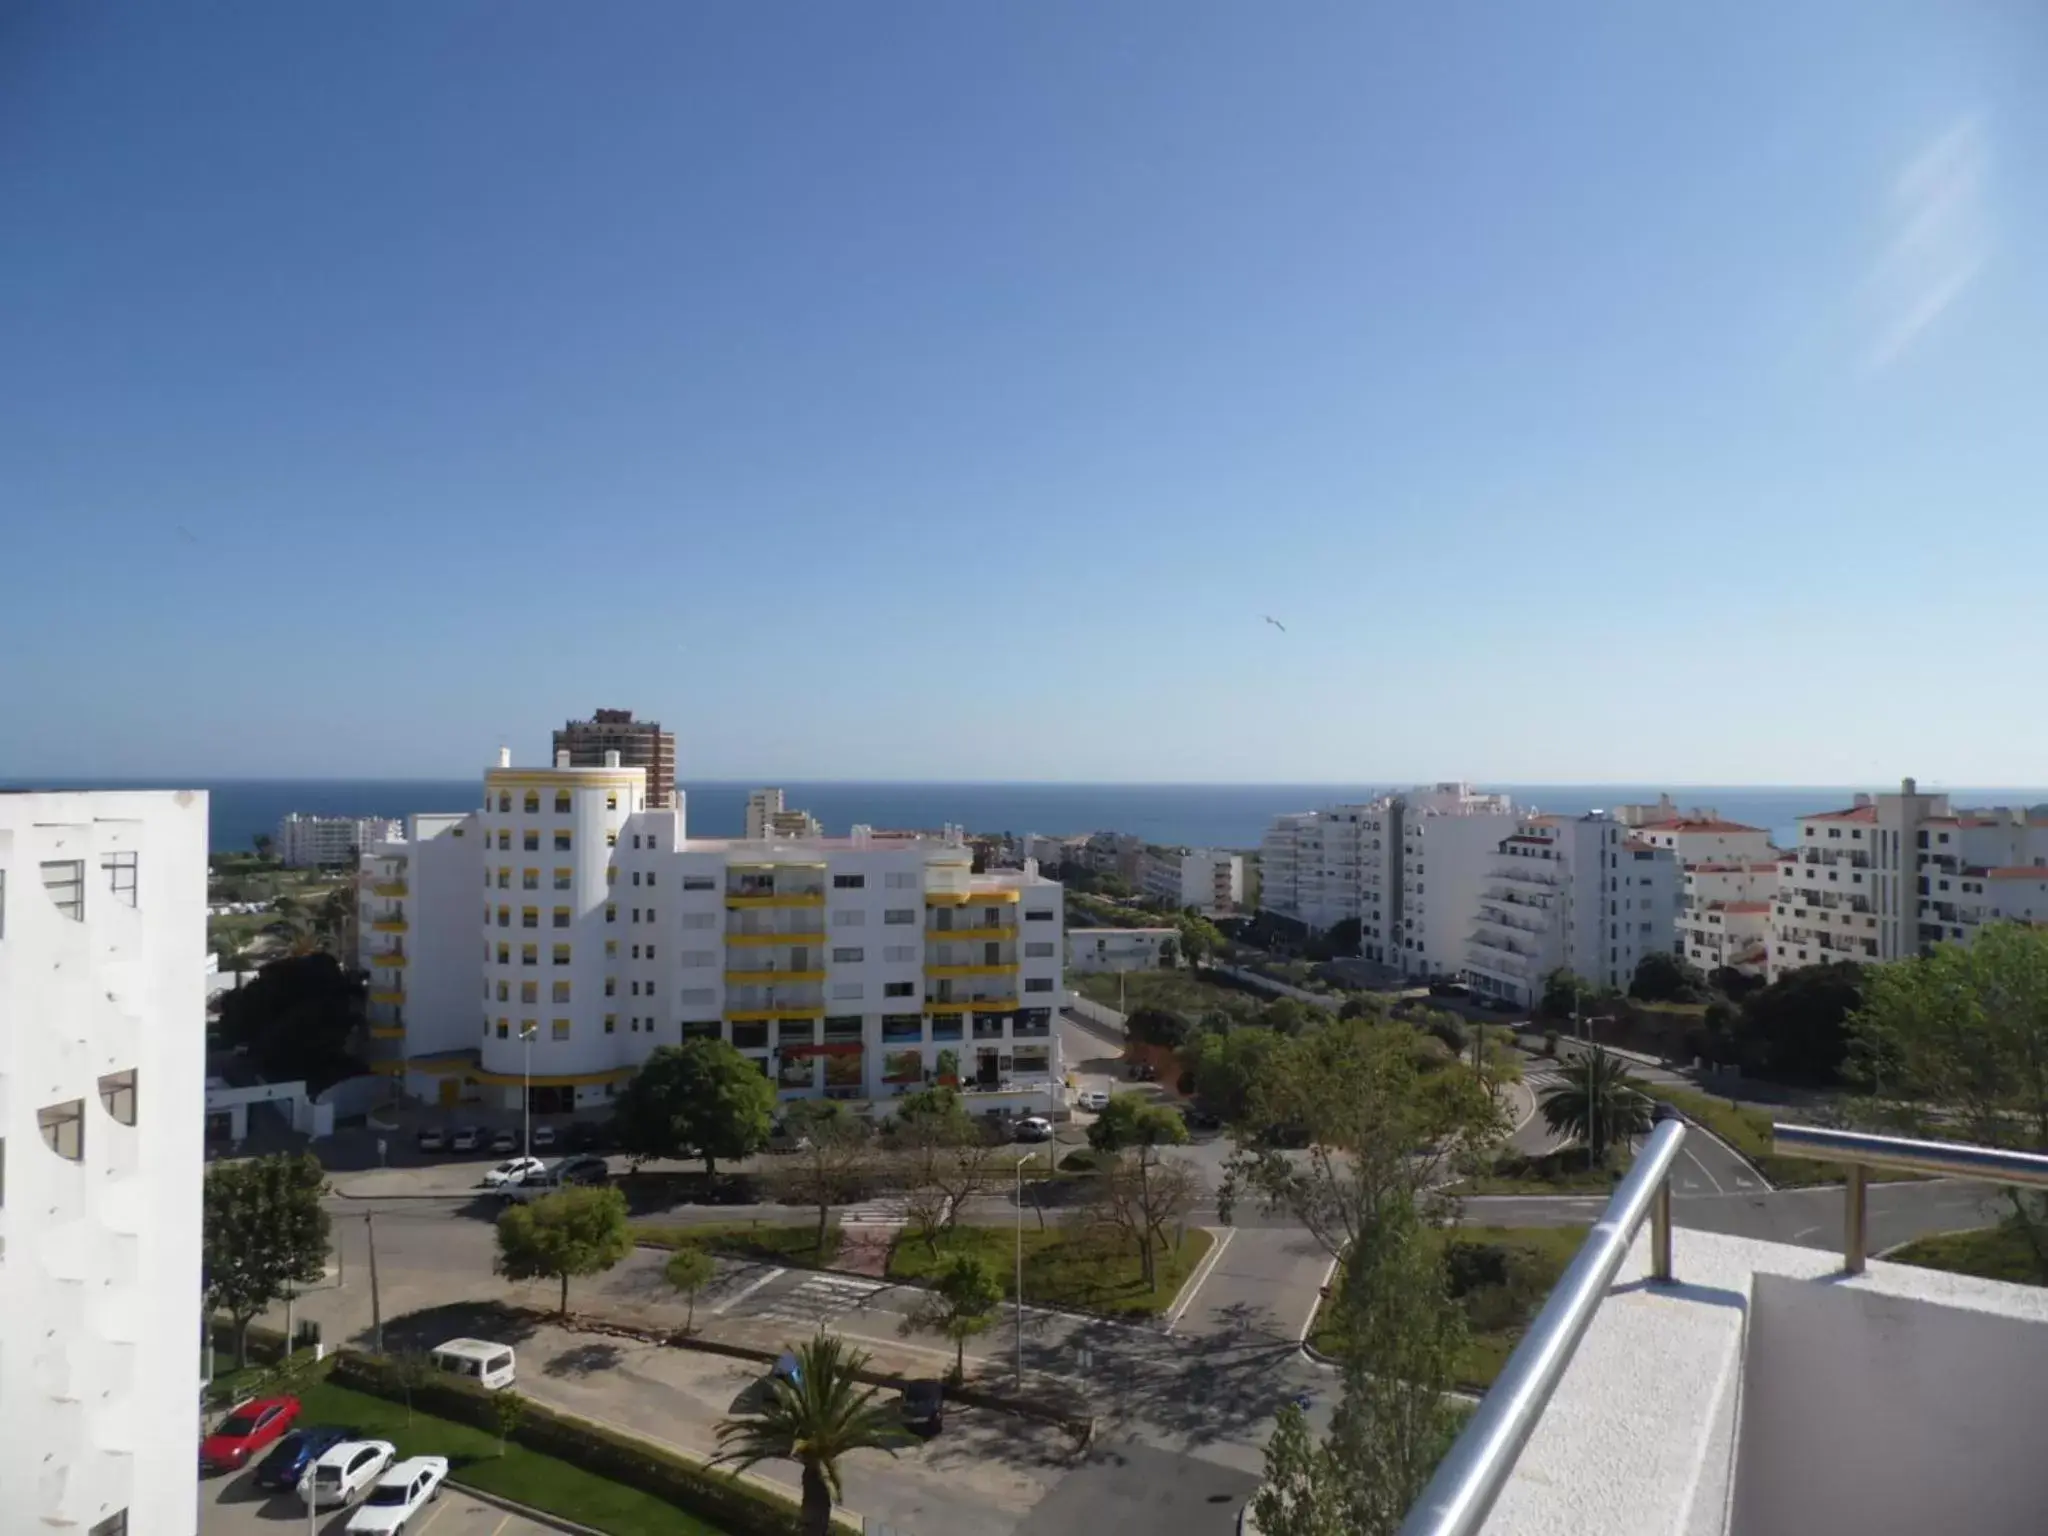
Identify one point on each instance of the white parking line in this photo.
(1703, 1168)
(747, 1290)
(1198, 1279)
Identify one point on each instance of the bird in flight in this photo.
(1274, 622)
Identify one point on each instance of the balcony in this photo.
(951, 972)
(970, 898)
(389, 888)
(774, 928)
(388, 957)
(387, 1031)
(761, 1015)
(745, 900)
(394, 996)
(391, 925)
(770, 976)
(936, 933)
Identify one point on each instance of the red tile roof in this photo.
(2017, 872)
(1854, 813)
(1747, 906)
(1684, 824)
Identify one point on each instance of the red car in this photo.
(247, 1430)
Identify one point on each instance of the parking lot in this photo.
(232, 1506)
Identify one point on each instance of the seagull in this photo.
(1274, 622)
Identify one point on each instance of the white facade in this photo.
(767, 816)
(1894, 874)
(1731, 873)
(1211, 880)
(102, 1091)
(1309, 865)
(1449, 839)
(306, 841)
(1118, 949)
(1583, 893)
(853, 968)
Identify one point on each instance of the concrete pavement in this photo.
(234, 1506)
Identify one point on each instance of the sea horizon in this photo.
(1214, 815)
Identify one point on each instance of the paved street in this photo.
(233, 1506)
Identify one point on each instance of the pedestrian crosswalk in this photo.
(886, 1212)
(816, 1299)
(1542, 1078)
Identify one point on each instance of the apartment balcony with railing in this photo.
(772, 926)
(1853, 858)
(786, 999)
(779, 885)
(774, 965)
(1513, 918)
(969, 921)
(980, 994)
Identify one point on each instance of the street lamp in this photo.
(1020, 1266)
(526, 1033)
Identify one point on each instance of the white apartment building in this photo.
(767, 816)
(1309, 863)
(1118, 949)
(1583, 893)
(1731, 874)
(1895, 874)
(1210, 880)
(102, 1103)
(852, 968)
(306, 841)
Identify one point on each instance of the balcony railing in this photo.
(1469, 1479)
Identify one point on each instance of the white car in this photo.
(1034, 1128)
(400, 1494)
(513, 1171)
(345, 1471)
(1092, 1098)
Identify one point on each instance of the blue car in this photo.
(281, 1470)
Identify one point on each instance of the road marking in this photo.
(1309, 1322)
(439, 1509)
(1703, 1168)
(1804, 1232)
(1198, 1279)
(743, 1294)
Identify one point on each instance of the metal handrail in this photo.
(1862, 1151)
(1462, 1493)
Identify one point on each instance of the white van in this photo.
(487, 1364)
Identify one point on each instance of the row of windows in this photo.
(530, 840)
(529, 879)
(529, 954)
(529, 991)
(63, 1125)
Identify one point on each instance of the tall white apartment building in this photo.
(1309, 863)
(1892, 875)
(305, 841)
(1449, 837)
(102, 1106)
(1731, 874)
(767, 816)
(1581, 892)
(1208, 879)
(853, 968)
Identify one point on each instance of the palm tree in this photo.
(235, 956)
(821, 1417)
(1595, 1102)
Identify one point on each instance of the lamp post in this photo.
(526, 1034)
(1020, 1266)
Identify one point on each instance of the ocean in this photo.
(1200, 815)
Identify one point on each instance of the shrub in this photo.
(1080, 1160)
(1550, 1043)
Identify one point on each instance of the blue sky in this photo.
(1597, 393)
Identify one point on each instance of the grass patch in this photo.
(1177, 991)
(1501, 1276)
(793, 1243)
(1085, 1272)
(543, 1482)
(1992, 1253)
(1561, 1170)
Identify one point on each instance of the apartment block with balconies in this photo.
(1849, 889)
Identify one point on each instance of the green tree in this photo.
(411, 1367)
(829, 1165)
(235, 956)
(262, 845)
(1563, 993)
(1596, 1103)
(1380, 1121)
(816, 1423)
(961, 1304)
(1200, 939)
(1224, 1066)
(688, 1270)
(1955, 1045)
(1285, 1016)
(295, 1020)
(508, 1412)
(1131, 1120)
(264, 1233)
(1402, 1336)
(942, 1160)
(1158, 1026)
(1169, 952)
(698, 1099)
(1662, 977)
(1343, 937)
(561, 1236)
(1140, 1195)
(1796, 1030)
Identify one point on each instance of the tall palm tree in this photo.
(1595, 1102)
(821, 1417)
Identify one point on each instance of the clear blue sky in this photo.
(935, 390)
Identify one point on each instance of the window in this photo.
(897, 954)
(649, 989)
(561, 955)
(560, 1030)
(846, 989)
(699, 995)
(650, 914)
(1039, 916)
(561, 879)
(849, 882)
(611, 912)
(700, 919)
(63, 1128)
(529, 879)
(501, 1029)
(504, 803)
(1039, 951)
(635, 988)
(529, 917)
(504, 917)
(898, 916)
(530, 840)
(504, 879)
(561, 917)
(636, 914)
(697, 959)
(120, 868)
(504, 954)
(562, 841)
(699, 883)
(503, 988)
(899, 989)
(117, 1093)
(115, 1524)
(561, 802)
(611, 839)
(64, 879)
(847, 954)
(1038, 984)
(900, 880)
(611, 986)
(611, 874)
(561, 991)
(750, 1037)
(532, 802)
(636, 951)
(529, 954)
(636, 877)
(504, 839)
(650, 951)
(611, 1023)
(849, 917)
(650, 877)
(611, 802)
(529, 992)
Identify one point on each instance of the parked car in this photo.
(513, 1171)
(1446, 988)
(569, 1173)
(280, 1471)
(787, 1368)
(505, 1141)
(1092, 1098)
(402, 1492)
(248, 1428)
(345, 1472)
(924, 1405)
(431, 1139)
(1033, 1128)
(543, 1136)
(465, 1138)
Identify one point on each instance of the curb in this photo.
(525, 1511)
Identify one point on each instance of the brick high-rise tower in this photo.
(639, 743)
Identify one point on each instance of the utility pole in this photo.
(376, 1306)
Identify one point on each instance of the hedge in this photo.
(743, 1508)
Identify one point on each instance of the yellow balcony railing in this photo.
(979, 1005)
(807, 937)
(389, 957)
(758, 1015)
(389, 888)
(391, 925)
(967, 935)
(389, 1068)
(770, 978)
(387, 1031)
(951, 971)
(968, 898)
(797, 899)
(391, 995)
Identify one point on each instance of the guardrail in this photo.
(1862, 1151)
(1462, 1493)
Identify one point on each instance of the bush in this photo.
(1550, 1043)
(1449, 1028)
(742, 1508)
(1080, 1160)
